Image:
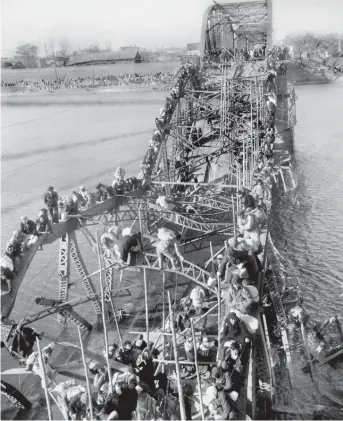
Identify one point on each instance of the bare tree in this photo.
(27, 50)
(65, 51)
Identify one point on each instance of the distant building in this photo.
(192, 54)
(130, 54)
(194, 46)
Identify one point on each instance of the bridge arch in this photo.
(238, 24)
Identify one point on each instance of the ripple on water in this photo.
(311, 238)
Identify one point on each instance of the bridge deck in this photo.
(8, 299)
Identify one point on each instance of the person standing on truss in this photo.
(51, 201)
(168, 247)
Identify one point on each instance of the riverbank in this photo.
(26, 90)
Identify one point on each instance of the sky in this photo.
(145, 23)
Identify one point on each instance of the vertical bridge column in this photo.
(64, 272)
(82, 270)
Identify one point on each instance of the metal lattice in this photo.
(64, 272)
(82, 270)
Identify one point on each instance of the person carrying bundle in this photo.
(251, 232)
(168, 247)
(28, 231)
(217, 403)
(109, 241)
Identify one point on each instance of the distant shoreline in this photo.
(26, 90)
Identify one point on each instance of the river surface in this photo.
(70, 139)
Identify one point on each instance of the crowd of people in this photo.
(188, 70)
(113, 80)
(139, 389)
(59, 209)
(258, 52)
(142, 392)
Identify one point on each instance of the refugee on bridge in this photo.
(32, 364)
(251, 234)
(51, 201)
(7, 276)
(168, 247)
(246, 199)
(126, 245)
(164, 203)
(260, 216)
(43, 224)
(14, 250)
(22, 340)
(109, 240)
(217, 403)
(29, 231)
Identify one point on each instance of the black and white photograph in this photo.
(171, 210)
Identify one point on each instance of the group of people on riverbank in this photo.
(113, 80)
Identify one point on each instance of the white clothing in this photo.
(6, 262)
(197, 296)
(163, 202)
(164, 234)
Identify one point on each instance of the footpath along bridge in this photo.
(207, 143)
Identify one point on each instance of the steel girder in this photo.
(65, 311)
(64, 272)
(82, 270)
(246, 19)
(109, 280)
(175, 218)
(188, 269)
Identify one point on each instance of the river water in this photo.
(70, 139)
(308, 233)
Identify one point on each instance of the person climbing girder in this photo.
(168, 247)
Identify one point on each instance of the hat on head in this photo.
(83, 188)
(220, 256)
(216, 372)
(233, 316)
(127, 345)
(234, 345)
(24, 218)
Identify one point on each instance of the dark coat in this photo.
(221, 404)
(23, 341)
(29, 228)
(248, 201)
(51, 199)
